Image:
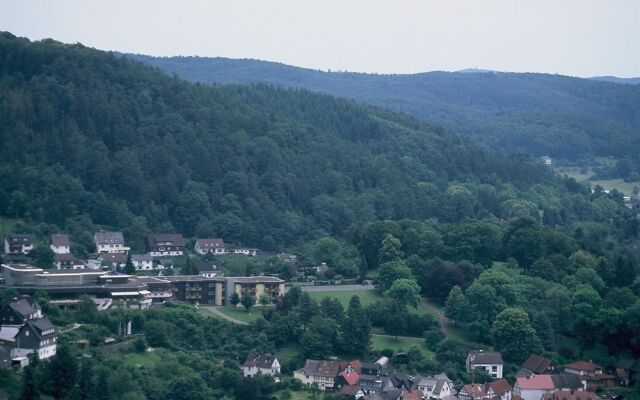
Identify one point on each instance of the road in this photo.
(220, 314)
(335, 288)
(439, 313)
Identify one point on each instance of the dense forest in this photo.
(89, 138)
(520, 260)
(540, 114)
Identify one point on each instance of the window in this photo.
(494, 368)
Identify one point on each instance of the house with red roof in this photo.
(590, 374)
(572, 395)
(533, 387)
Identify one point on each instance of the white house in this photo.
(18, 243)
(489, 362)
(435, 387)
(142, 262)
(110, 242)
(245, 251)
(266, 364)
(214, 246)
(534, 387)
(60, 244)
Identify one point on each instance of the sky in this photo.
(570, 37)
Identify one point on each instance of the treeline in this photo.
(564, 117)
(89, 139)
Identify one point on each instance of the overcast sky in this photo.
(571, 37)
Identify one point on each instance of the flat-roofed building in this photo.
(255, 286)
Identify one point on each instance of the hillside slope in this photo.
(565, 117)
(90, 138)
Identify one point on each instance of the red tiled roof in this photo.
(583, 366)
(535, 382)
(350, 390)
(412, 395)
(351, 377)
(500, 386)
(536, 364)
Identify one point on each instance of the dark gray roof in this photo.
(171, 239)
(41, 325)
(264, 361)
(118, 258)
(18, 238)
(141, 257)
(109, 238)
(566, 380)
(401, 380)
(60, 239)
(485, 357)
(205, 266)
(536, 364)
(24, 307)
(63, 257)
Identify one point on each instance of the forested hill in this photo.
(539, 114)
(87, 137)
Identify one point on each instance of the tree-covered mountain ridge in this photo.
(87, 137)
(540, 114)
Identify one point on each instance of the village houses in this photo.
(489, 362)
(18, 243)
(110, 242)
(265, 364)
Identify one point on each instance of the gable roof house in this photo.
(320, 372)
(627, 370)
(535, 386)
(500, 389)
(67, 261)
(18, 311)
(536, 364)
(590, 374)
(208, 269)
(110, 242)
(434, 387)
(214, 246)
(165, 244)
(113, 259)
(266, 364)
(24, 330)
(142, 262)
(573, 395)
(489, 362)
(59, 243)
(18, 243)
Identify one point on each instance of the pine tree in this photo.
(456, 304)
(189, 268)
(29, 380)
(129, 269)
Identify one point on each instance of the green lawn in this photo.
(366, 296)
(608, 184)
(241, 314)
(403, 343)
(296, 395)
(236, 264)
(145, 359)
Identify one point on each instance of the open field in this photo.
(145, 359)
(608, 184)
(240, 264)
(240, 314)
(366, 296)
(403, 343)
